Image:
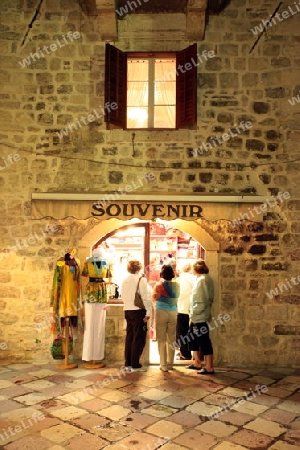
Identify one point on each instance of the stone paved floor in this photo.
(43, 407)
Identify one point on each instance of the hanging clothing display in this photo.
(95, 299)
(96, 270)
(65, 293)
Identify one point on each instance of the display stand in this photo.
(66, 365)
(95, 294)
(93, 365)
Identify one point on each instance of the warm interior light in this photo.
(137, 114)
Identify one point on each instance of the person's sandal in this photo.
(205, 372)
(191, 366)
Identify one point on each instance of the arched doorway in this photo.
(115, 319)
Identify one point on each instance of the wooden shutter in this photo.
(115, 85)
(186, 87)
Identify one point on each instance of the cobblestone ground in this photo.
(46, 407)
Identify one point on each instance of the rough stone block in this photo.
(115, 177)
(229, 80)
(255, 144)
(277, 92)
(257, 249)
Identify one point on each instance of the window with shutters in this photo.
(152, 90)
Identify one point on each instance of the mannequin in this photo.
(65, 299)
(95, 305)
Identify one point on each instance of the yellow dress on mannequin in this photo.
(65, 295)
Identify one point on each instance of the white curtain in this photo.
(164, 91)
(137, 93)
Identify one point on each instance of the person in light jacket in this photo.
(136, 318)
(200, 312)
(186, 282)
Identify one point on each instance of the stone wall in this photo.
(239, 84)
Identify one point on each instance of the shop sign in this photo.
(146, 211)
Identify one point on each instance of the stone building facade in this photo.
(252, 79)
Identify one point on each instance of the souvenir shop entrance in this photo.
(154, 244)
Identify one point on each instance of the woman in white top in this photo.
(136, 318)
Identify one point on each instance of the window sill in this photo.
(117, 135)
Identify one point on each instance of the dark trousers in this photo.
(136, 332)
(182, 329)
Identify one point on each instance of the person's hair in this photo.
(200, 267)
(134, 266)
(167, 272)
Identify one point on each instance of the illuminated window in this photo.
(152, 91)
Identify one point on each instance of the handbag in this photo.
(58, 348)
(138, 301)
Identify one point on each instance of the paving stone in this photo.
(114, 432)
(229, 446)
(250, 408)
(202, 409)
(141, 441)
(95, 404)
(39, 384)
(86, 441)
(193, 439)
(78, 384)
(155, 394)
(279, 415)
(76, 397)
(134, 389)
(138, 420)
(185, 419)
(56, 391)
(5, 384)
(19, 367)
(115, 396)
(266, 400)
(8, 405)
(165, 428)
(265, 427)
(280, 445)
(68, 413)
(89, 422)
(14, 391)
(235, 418)
(172, 446)
(32, 399)
(159, 411)
(27, 414)
(61, 433)
(30, 443)
(278, 391)
(251, 440)
(261, 380)
(57, 447)
(233, 392)
(216, 428)
(114, 412)
(193, 393)
(295, 424)
(290, 405)
(220, 400)
(292, 437)
(42, 373)
(175, 401)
